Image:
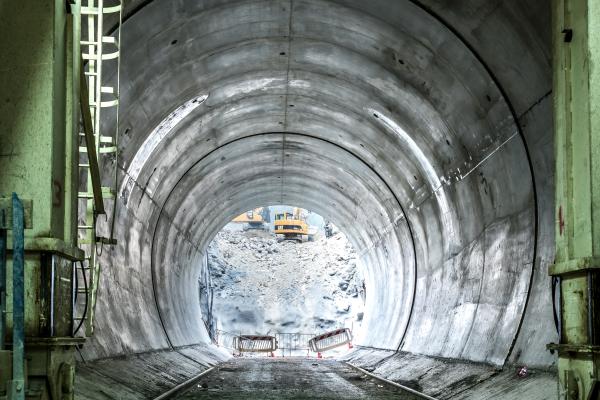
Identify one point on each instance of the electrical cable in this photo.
(76, 286)
(554, 310)
(85, 285)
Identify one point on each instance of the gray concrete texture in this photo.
(421, 128)
(454, 379)
(292, 378)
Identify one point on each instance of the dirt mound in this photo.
(264, 286)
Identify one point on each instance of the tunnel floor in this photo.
(290, 378)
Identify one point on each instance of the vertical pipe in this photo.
(52, 262)
(590, 309)
(2, 285)
(18, 382)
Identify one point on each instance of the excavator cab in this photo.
(253, 219)
(291, 226)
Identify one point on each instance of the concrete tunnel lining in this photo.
(370, 217)
(440, 96)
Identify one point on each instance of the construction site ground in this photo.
(264, 286)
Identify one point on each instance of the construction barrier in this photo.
(330, 340)
(255, 344)
(293, 344)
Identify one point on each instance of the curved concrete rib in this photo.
(386, 117)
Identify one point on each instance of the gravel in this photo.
(262, 286)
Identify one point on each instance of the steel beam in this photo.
(88, 130)
(39, 135)
(576, 43)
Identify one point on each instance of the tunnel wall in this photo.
(451, 379)
(513, 39)
(143, 375)
(428, 144)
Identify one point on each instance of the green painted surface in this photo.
(33, 110)
(576, 42)
(38, 157)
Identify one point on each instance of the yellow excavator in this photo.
(254, 219)
(291, 226)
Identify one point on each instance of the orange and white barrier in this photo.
(331, 340)
(255, 344)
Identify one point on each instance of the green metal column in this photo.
(39, 121)
(576, 43)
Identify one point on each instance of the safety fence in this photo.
(330, 340)
(239, 343)
(285, 344)
(255, 344)
(293, 344)
(225, 339)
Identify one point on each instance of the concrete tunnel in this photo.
(421, 128)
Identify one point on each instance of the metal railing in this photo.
(294, 344)
(225, 339)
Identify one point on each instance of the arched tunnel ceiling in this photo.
(374, 114)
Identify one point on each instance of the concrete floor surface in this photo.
(290, 378)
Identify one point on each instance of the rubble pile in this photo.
(263, 286)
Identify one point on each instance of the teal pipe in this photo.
(2, 285)
(18, 378)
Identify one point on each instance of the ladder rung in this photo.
(106, 139)
(105, 150)
(108, 192)
(110, 56)
(91, 73)
(79, 318)
(88, 56)
(85, 227)
(89, 10)
(96, 10)
(84, 165)
(109, 103)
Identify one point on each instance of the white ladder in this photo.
(97, 50)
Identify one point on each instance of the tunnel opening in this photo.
(286, 272)
(403, 115)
